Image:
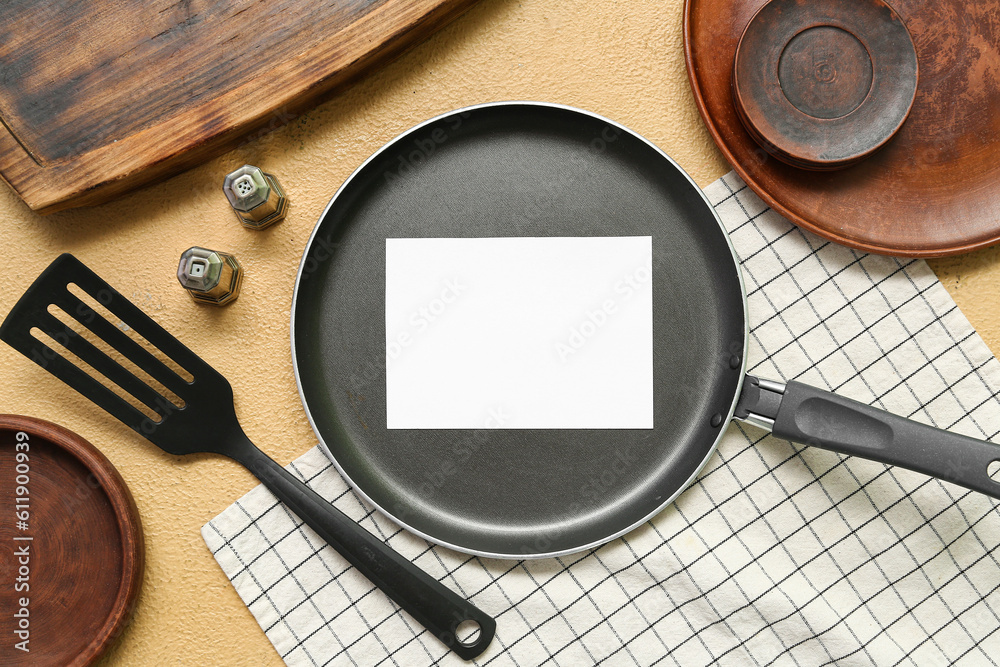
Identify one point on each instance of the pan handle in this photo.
(812, 416)
(426, 599)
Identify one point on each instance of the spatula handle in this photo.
(426, 599)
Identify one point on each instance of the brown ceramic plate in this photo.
(75, 563)
(932, 190)
(824, 84)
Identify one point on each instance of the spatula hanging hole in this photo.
(60, 350)
(993, 470)
(114, 355)
(99, 309)
(468, 632)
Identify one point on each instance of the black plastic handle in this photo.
(820, 418)
(431, 603)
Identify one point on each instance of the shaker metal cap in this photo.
(210, 276)
(256, 197)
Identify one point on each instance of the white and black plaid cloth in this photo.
(778, 554)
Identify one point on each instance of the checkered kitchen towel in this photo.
(777, 554)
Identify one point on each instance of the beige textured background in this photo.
(620, 59)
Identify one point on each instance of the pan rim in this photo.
(500, 555)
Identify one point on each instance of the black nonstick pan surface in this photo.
(537, 170)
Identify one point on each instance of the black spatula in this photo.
(205, 421)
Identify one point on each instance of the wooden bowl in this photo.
(932, 189)
(76, 561)
(824, 84)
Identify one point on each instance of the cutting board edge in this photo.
(110, 171)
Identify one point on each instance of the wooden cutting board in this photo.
(100, 97)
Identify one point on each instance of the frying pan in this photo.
(537, 170)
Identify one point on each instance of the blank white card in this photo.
(519, 333)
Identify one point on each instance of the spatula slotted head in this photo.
(133, 368)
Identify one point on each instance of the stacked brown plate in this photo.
(929, 187)
(73, 543)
